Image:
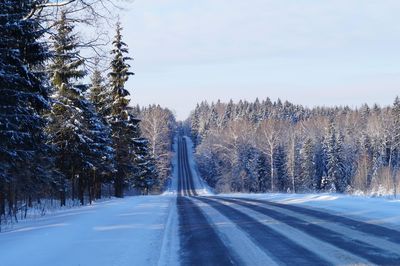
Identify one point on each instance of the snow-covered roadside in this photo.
(373, 210)
(172, 188)
(169, 254)
(129, 231)
(43, 210)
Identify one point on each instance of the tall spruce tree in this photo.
(100, 156)
(81, 138)
(146, 173)
(280, 164)
(294, 162)
(213, 122)
(195, 125)
(65, 128)
(99, 93)
(228, 113)
(335, 179)
(328, 180)
(395, 149)
(308, 179)
(262, 171)
(25, 165)
(342, 176)
(125, 128)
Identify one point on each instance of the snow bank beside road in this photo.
(372, 210)
(129, 231)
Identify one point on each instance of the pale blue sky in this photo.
(312, 52)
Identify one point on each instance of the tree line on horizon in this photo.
(61, 138)
(266, 146)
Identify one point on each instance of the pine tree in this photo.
(228, 114)
(104, 169)
(194, 125)
(308, 179)
(365, 112)
(99, 94)
(65, 128)
(25, 165)
(101, 154)
(280, 163)
(342, 181)
(328, 182)
(204, 121)
(82, 140)
(266, 109)
(335, 179)
(396, 132)
(256, 115)
(394, 160)
(213, 121)
(125, 128)
(294, 162)
(262, 171)
(146, 172)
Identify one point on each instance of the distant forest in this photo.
(266, 146)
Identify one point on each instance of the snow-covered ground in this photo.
(129, 231)
(380, 211)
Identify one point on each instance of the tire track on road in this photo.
(199, 241)
(359, 248)
(189, 173)
(276, 245)
(371, 229)
(186, 170)
(179, 169)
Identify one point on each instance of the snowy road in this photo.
(189, 225)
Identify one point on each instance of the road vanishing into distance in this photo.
(218, 230)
